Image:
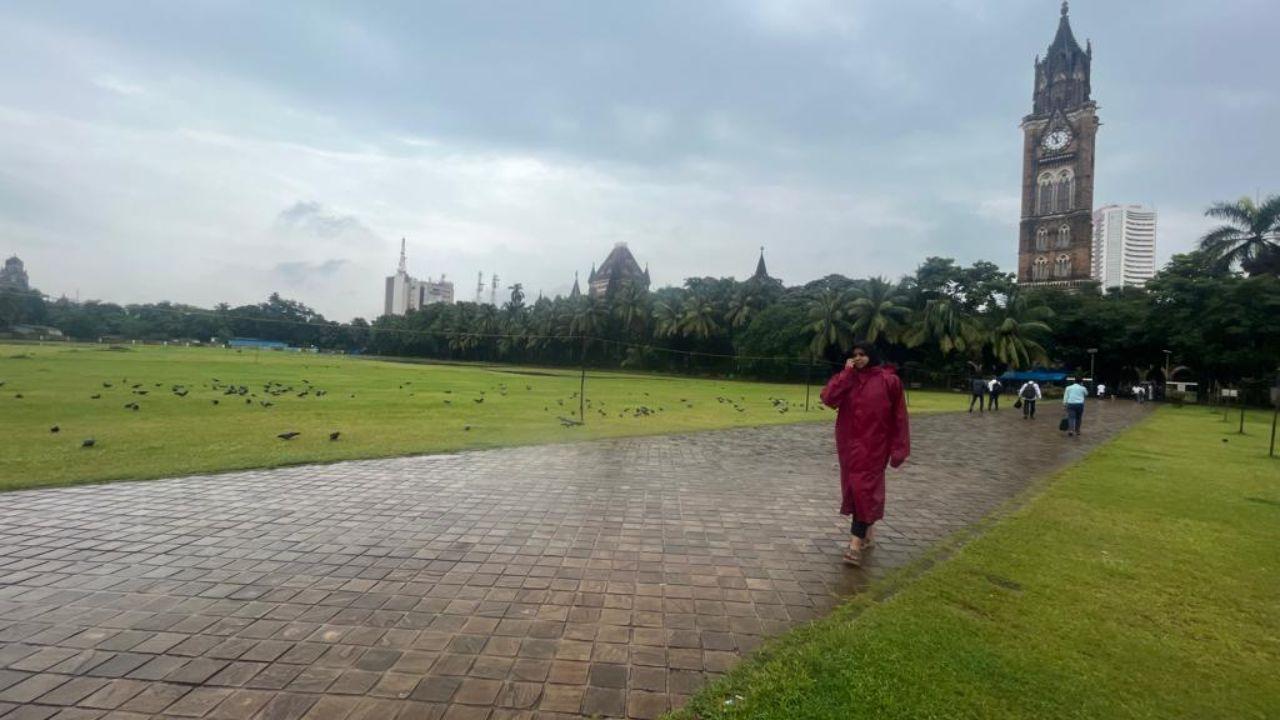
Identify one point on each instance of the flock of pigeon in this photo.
(264, 397)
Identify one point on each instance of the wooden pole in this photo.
(1241, 401)
(582, 385)
(808, 377)
(1274, 415)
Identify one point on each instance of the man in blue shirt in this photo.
(1073, 398)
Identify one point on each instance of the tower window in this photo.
(1046, 199)
(1064, 236)
(1062, 267)
(1042, 239)
(1066, 191)
(1040, 269)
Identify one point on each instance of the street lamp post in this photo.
(1093, 354)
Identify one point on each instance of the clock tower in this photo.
(1055, 238)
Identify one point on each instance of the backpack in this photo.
(1028, 391)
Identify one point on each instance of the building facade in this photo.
(618, 268)
(403, 292)
(1055, 245)
(1124, 245)
(14, 276)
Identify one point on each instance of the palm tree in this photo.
(828, 321)
(666, 319)
(631, 308)
(589, 315)
(698, 317)
(743, 305)
(877, 311)
(944, 324)
(1013, 339)
(1251, 237)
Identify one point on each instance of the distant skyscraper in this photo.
(1124, 245)
(405, 293)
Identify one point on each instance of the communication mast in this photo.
(493, 291)
(479, 286)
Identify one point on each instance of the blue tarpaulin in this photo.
(1040, 376)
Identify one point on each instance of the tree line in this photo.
(1215, 310)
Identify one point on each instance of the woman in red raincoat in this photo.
(871, 431)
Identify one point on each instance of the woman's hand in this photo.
(848, 364)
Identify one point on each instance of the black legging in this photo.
(859, 529)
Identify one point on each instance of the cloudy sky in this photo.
(204, 151)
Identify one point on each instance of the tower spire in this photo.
(404, 264)
(1064, 8)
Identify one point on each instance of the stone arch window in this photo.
(1040, 269)
(1064, 236)
(1042, 239)
(1066, 191)
(1062, 266)
(1047, 189)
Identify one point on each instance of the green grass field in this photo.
(1142, 583)
(380, 408)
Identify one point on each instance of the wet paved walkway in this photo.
(611, 577)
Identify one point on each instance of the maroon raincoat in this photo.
(871, 432)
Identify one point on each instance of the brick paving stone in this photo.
(29, 689)
(240, 705)
(617, 577)
(72, 691)
(198, 702)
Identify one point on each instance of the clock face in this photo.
(1057, 140)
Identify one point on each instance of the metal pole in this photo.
(582, 385)
(1241, 401)
(808, 376)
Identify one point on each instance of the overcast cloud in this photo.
(204, 151)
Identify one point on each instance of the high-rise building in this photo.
(1124, 245)
(1054, 246)
(405, 293)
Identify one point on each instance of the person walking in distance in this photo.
(1029, 393)
(977, 392)
(994, 388)
(872, 431)
(1073, 399)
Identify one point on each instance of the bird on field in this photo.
(479, 400)
(289, 435)
(107, 385)
(466, 428)
(18, 396)
(247, 401)
(132, 406)
(215, 401)
(137, 385)
(95, 396)
(334, 435)
(140, 392)
(267, 403)
(55, 429)
(528, 387)
(448, 402)
(87, 443)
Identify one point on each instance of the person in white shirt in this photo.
(1102, 390)
(1029, 393)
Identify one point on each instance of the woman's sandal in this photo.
(852, 557)
(868, 543)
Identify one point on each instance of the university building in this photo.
(1055, 246)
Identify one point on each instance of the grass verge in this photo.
(1140, 583)
(188, 423)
